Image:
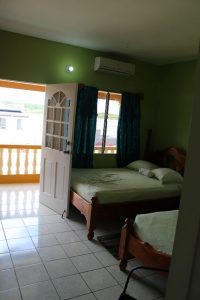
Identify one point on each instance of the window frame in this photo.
(101, 149)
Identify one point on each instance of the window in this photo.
(19, 124)
(2, 123)
(107, 120)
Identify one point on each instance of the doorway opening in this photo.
(21, 126)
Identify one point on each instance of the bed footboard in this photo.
(87, 209)
(132, 246)
(93, 211)
(124, 241)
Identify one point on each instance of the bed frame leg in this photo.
(91, 221)
(123, 246)
(90, 235)
(123, 264)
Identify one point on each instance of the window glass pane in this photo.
(19, 124)
(2, 123)
(100, 121)
(112, 122)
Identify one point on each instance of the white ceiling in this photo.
(159, 31)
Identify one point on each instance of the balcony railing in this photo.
(108, 150)
(19, 163)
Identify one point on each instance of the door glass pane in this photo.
(51, 102)
(64, 131)
(50, 113)
(56, 143)
(57, 114)
(66, 103)
(63, 145)
(49, 128)
(48, 143)
(56, 130)
(65, 116)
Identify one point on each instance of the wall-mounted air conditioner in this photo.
(116, 67)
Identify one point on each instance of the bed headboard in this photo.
(171, 157)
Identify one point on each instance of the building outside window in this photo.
(21, 113)
(2, 123)
(108, 108)
(19, 124)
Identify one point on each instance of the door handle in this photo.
(67, 152)
(67, 144)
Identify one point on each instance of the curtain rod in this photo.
(81, 85)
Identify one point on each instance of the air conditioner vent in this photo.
(116, 67)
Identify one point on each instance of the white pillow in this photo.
(141, 164)
(146, 172)
(166, 175)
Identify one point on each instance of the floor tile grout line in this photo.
(14, 268)
(48, 232)
(16, 276)
(101, 262)
(110, 272)
(85, 281)
(64, 277)
(49, 278)
(113, 276)
(6, 240)
(74, 255)
(81, 295)
(98, 289)
(140, 280)
(73, 229)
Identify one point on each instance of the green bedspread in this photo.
(158, 229)
(119, 185)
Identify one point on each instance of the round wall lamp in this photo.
(69, 69)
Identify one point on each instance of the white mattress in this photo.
(119, 185)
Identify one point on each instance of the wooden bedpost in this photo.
(91, 220)
(148, 144)
(123, 252)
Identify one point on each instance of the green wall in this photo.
(168, 90)
(36, 60)
(174, 104)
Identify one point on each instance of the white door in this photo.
(59, 116)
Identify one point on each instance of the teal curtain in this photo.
(128, 131)
(85, 127)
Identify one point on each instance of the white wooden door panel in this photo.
(47, 180)
(60, 105)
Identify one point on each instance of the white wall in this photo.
(184, 277)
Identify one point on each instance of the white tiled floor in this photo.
(45, 257)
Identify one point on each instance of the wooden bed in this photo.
(93, 211)
(131, 245)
